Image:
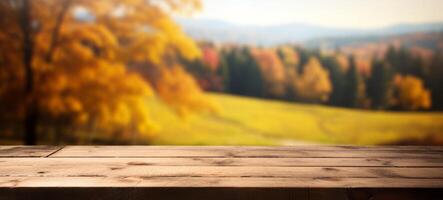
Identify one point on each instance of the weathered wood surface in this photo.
(22, 151)
(299, 172)
(259, 152)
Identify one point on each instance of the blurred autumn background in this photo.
(210, 72)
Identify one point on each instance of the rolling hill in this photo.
(249, 121)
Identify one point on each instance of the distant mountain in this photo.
(432, 40)
(220, 31)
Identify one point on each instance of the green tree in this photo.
(304, 56)
(380, 85)
(404, 62)
(223, 71)
(435, 78)
(244, 73)
(336, 76)
(351, 88)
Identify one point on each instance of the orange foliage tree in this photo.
(411, 93)
(272, 70)
(66, 61)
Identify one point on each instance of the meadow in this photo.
(250, 121)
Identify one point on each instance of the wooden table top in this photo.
(221, 167)
(157, 166)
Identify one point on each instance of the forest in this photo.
(395, 78)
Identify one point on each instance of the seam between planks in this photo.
(360, 157)
(54, 152)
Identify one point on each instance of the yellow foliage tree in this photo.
(290, 57)
(313, 85)
(411, 93)
(67, 61)
(179, 89)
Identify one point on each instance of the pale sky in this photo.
(333, 13)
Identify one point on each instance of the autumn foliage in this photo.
(340, 78)
(313, 84)
(68, 62)
(272, 70)
(411, 93)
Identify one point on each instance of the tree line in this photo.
(397, 80)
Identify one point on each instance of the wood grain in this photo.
(274, 162)
(27, 151)
(182, 152)
(183, 172)
(135, 169)
(209, 182)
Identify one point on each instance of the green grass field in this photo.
(248, 121)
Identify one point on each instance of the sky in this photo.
(364, 14)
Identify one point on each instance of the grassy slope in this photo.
(247, 121)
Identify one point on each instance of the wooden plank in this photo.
(137, 151)
(211, 182)
(27, 151)
(274, 162)
(279, 148)
(84, 169)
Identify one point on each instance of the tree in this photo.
(288, 56)
(206, 70)
(314, 84)
(304, 57)
(180, 91)
(380, 85)
(436, 80)
(245, 77)
(211, 58)
(290, 59)
(404, 62)
(223, 71)
(411, 93)
(272, 70)
(352, 81)
(75, 67)
(343, 61)
(336, 75)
